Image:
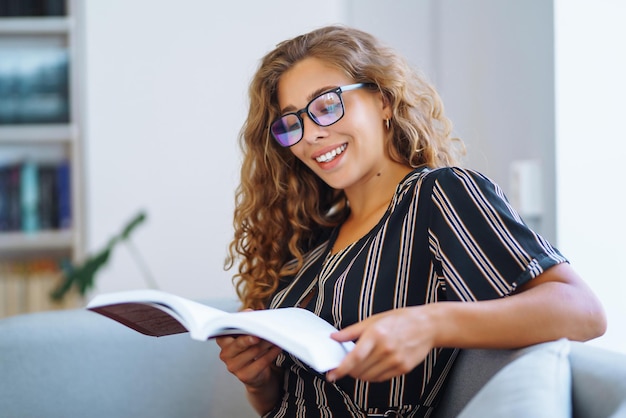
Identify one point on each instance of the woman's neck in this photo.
(374, 194)
(368, 203)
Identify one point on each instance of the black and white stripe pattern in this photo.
(456, 239)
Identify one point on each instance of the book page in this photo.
(295, 330)
(153, 312)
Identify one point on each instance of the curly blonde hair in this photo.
(282, 207)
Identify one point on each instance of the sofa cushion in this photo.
(536, 384)
(77, 363)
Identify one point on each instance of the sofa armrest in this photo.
(598, 379)
(598, 382)
(471, 371)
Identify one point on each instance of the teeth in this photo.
(331, 155)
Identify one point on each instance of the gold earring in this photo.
(387, 123)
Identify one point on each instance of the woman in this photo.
(350, 206)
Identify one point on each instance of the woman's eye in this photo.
(329, 108)
(326, 104)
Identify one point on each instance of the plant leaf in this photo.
(136, 221)
(83, 276)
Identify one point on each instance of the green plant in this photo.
(83, 276)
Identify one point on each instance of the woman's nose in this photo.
(312, 131)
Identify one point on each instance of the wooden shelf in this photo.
(36, 241)
(21, 134)
(35, 25)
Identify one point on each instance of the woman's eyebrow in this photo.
(320, 91)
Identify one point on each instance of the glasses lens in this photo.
(287, 130)
(326, 109)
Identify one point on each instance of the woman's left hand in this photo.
(387, 344)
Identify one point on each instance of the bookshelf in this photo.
(40, 152)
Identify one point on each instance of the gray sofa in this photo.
(76, 363)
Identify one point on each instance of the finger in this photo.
(351, 333)
(242, 351)
(223, 342)
(375, 371)
(256, 372)
(267, 358)
(359, 354)
(385, 362)
(261, 361)
(362, 366)
(233, 341)
(242, 344)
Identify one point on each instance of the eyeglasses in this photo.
(324, 110)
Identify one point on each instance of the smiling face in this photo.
(349, 152)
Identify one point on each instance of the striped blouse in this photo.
(448, 235)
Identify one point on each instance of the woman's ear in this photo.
(387, 112)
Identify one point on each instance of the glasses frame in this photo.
(298, 113)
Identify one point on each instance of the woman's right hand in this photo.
(251, 360)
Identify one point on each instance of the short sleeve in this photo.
(482, 247)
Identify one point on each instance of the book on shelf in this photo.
(13, 297)
(34, 85)
(64, 195)
(29, 197)
(24, 8)
(13, 196)
(4, 199)
(35, 196)
(26, 286)
(157, 313)
(48, 206)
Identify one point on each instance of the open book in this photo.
(157, 313)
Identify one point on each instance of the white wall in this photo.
(406, 25)
(166, 89)
(495, 73)
(591, 144)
